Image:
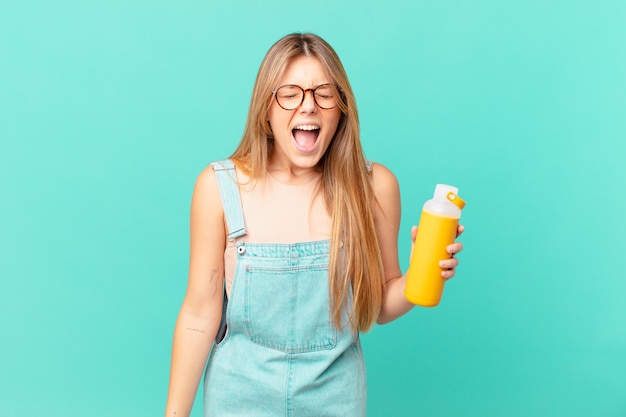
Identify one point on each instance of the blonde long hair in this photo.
(355, 259)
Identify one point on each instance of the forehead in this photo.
(305, 71)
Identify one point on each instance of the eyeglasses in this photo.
(290, 97)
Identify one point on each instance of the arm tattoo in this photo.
(195, 330)
(212, 279)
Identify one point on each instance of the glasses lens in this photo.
(325, 96)
(289, 96)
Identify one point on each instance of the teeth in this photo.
(307, 127)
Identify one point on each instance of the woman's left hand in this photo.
(449, 265)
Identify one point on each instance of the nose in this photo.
(308, 103)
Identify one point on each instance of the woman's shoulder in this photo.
(384, 183)
(381, 174)
(219, 174)
(206, 184)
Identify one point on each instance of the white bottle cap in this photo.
(442, 191)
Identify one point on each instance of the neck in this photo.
(293, 175)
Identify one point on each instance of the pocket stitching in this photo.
(329, 341)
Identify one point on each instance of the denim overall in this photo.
(281, 355)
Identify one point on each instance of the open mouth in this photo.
(305, 137)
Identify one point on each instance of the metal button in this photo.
(241, 250)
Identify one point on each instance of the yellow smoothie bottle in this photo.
(436, 230)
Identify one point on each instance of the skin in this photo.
(200, 313)
(290, 163)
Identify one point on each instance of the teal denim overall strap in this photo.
(231, 199)
(233, 212)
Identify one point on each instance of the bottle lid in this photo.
(449, 193)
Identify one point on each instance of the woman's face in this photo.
(302, 135)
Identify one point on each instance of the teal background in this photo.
(109, 110)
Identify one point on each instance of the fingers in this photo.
(448, 273)
(449, 265)
(454, 248)
(460, 230)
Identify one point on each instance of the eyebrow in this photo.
(298, 85)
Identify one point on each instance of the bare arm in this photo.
(200, 313)
(388, 215)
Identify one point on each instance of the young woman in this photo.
(293, 252)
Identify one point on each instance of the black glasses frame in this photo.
(312, 90)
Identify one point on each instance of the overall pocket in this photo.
(287, 308)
